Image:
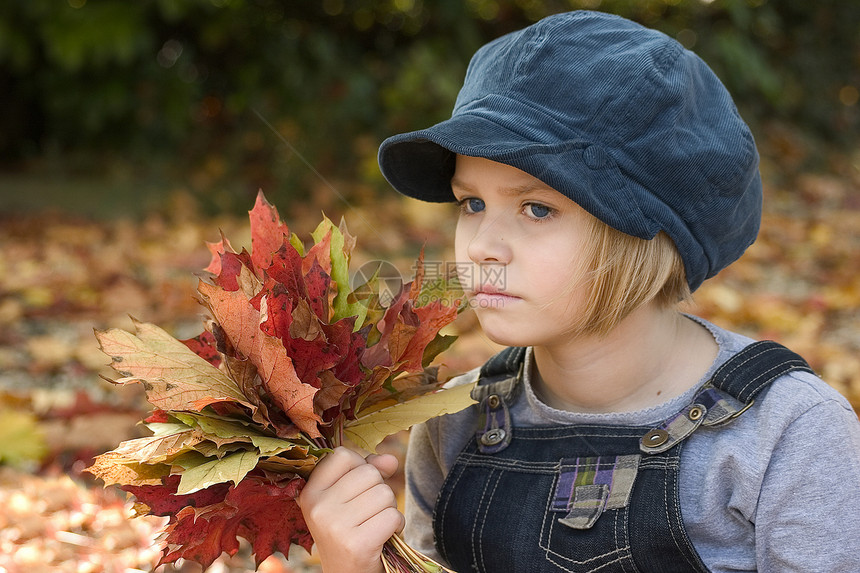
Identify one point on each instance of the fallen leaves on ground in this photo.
(61, 277)
(54, 524)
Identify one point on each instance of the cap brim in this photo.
(420, 164)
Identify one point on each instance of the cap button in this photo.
(594, 157)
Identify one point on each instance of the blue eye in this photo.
(538, 211)
(472, 205)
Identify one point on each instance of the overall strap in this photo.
(498, 385)
(505, 362)
(728, 394)
(501, 375)
(749, 371)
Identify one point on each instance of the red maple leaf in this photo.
(431, 319)
(163, 500)
(260, 510)
(217, 249)
(286, 269)
(157, 417)
(230, 267)
(204, 346)
(240, 322)
(318, 284)
(267, 232)
(206, 523)
(319, 254)
(406, 330)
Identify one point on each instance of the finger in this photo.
(385, 463)
(364, 511)
(354, 483)
(385, 524)
(364, 542)
(332, 467)
(369, 503)
(376, 498)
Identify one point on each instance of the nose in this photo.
(488, 243)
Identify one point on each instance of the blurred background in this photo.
(133, 132)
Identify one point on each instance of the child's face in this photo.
(519, 246)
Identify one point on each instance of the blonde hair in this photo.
(623, 272)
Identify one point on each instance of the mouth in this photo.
(490, 292)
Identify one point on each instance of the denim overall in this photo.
(585, 497)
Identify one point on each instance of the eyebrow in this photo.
(510, 191)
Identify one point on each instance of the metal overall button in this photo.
(493, 401)
(656, 437)
(493, 437)
(696, 413)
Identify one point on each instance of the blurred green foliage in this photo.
(219, 86)
(22, 441)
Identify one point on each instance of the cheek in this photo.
(556, 268)
(461, 256)
(462, 236)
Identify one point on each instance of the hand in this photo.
(350, 511)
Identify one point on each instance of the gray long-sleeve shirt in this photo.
(777, 490)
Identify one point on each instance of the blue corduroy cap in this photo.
(619, 118)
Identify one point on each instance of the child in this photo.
(606, 171)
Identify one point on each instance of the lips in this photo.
(490, 289)
(490, 292)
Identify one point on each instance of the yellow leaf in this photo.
(282, 465)
(114, 468)
(174, 377)
(367, 431)
(158, 449)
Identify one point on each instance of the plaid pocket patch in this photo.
(589, 485)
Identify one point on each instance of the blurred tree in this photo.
(237, 87)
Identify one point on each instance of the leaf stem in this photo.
(398, 557)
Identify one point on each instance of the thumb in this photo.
(385, 463)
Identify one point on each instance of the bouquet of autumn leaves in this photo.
(290, 364)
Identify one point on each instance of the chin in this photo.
(505, 334)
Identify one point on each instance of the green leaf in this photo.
(217, 426)
(232, 468)
(340, 254)
(166, 428)
(21, 439)
(272, 446)
(190, 459)
(439, 344)
(213, 450)
(367, 295)
(297, 244)
(367, 431)
(444, 289)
